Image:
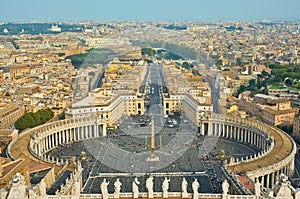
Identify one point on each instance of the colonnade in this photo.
(50, 136)
(57, 134)
(258, 139)
(258, 135)
(270, 179)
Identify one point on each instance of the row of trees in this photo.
(184, 51)
(288, 75)
(256, 86)
(283, 71)
(91, 57)
(30, 119)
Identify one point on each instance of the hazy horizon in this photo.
(131, 10)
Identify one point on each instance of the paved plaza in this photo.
(122, 156)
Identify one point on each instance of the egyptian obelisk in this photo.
(152, 157)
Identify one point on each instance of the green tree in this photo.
(30, 119)
(265, 73)
(252, 82)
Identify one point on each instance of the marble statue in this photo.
(225, 187)
(149, 186)
(42, 188)
(135, 187)
(18, 188)
(195, 186)
(184, 185)
(104, 191)
(117, 186)
(165, 187)
(32, 194)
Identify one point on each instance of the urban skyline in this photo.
(171, 99)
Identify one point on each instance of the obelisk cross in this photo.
(152, 138)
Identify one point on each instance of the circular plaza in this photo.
(220, 147)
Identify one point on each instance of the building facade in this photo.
(296, 127)
(10, 114)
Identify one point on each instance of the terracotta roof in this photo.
(279, 112)
(35, 166)
(10, 166)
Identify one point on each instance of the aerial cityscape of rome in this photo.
(157, 99)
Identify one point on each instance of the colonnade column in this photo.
(56, 139)
(52, 140)
(95, 130)
(39, 148)
(271, 179)
(243, 135)
(45, 143)
(49, 142)
(63, 136)
(227, 131)
(104, 130)
(67, 135)
(214, 129)
(91, 131)
(85, 133)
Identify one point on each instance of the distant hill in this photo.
(36, 28)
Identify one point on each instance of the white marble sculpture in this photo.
(165, 187)
(135, 187)
(149, 186)
(184, 185)
(18, 187)
(195, 186)
(117, 186)
(103, 187)
(225, 187)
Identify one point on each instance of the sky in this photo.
(148, 10)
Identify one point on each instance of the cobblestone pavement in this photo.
(199, 158)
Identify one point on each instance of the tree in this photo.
(147, 51)
(288, 81)
(265, 73)
(30, 120)
(252, 82)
